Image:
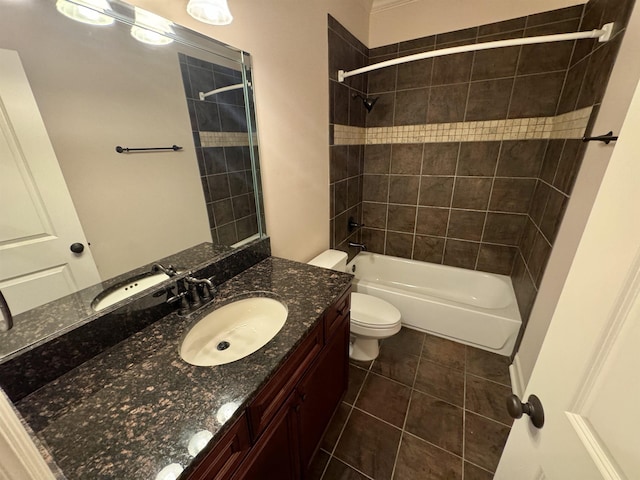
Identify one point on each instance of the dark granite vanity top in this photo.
(132, 410)
(41, 324)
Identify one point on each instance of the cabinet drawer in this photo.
(226, 455)
(273, 395)
(335, 313)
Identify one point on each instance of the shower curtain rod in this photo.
(603, 35)
(237, 86)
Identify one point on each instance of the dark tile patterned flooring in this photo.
(426, 408)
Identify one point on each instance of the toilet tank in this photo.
(333, 259)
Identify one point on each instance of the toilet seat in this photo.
(372, 312)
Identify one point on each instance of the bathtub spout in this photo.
(361, 246)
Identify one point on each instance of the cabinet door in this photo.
(321, 390)
(271, 397)
(275, 455)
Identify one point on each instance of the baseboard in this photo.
(517, 379)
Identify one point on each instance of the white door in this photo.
(38, 222)
(586, 374)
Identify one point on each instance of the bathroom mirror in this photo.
(119, 79)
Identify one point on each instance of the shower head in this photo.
(367, 102)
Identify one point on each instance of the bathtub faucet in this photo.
(362, 246)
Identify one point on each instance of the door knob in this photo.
(533, 408)
(76, 247)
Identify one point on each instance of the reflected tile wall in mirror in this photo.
(219, 125)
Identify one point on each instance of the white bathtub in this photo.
(475, 308)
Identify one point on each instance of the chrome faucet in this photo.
(361, 246)
(169, 271)
(6, 320)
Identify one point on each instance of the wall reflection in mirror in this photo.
(71, 91)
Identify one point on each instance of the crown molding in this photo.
(382, 5)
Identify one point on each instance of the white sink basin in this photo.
(131, 287)
(233, 331)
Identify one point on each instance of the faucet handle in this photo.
(184, 301)
(353, 224)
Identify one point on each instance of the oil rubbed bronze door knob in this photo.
(533, 408)
(77, 247)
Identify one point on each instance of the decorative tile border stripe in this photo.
(567, 125)
(225, 139)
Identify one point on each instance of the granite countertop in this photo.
(132, 410)
(43, 323)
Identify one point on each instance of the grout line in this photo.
(391, 379)
(487, 379)
(413, 391)
(433, 444)
(335, 446)
(406, 414)
(486, 216)
(354, 468)
(487, 418)
(477, 466)
(386, 422)
(515, 74)
(415, 219)
(555, 173)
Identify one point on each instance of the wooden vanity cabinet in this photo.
(275, 454)
(320, 392)
(285, 422)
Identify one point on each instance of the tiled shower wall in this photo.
(463, 203)
(345, 51)
(220, 134)
(469, 159)
(589, 69)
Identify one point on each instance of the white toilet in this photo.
(372, 318)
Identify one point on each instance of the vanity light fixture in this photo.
(150, 28)
(213, 12)
(85, 11)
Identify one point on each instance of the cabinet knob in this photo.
(303, 397)
(297, 408)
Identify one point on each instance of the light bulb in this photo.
(85, 11)
(213, 12)
(150, 28)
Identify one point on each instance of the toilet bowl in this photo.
(372, 318)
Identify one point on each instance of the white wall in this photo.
(622, 84)
(288, 42)
(426, 17)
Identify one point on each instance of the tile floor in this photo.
(426, 408)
